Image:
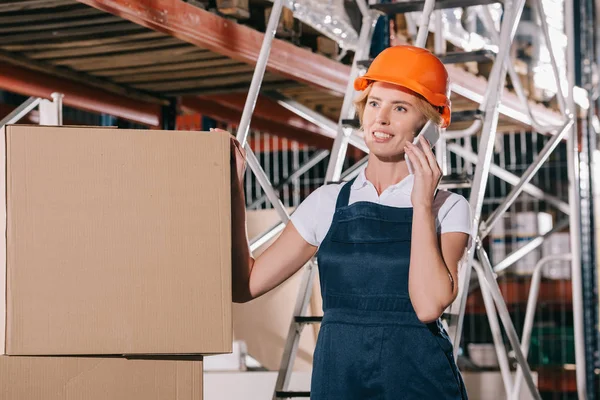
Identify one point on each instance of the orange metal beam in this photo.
(193, 122)
(230, 115)
(268, 109)
(210, 31)
(34, 83)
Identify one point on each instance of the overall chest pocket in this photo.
(370, 230)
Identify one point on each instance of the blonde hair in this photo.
(430, 113)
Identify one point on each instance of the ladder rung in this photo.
(308, 320)
(483, 55)
(465, 116)
(404, 6)
(351, 123)
(291, 395)
(455, 181)
(455, 57)
(364, 63)
(448, 315)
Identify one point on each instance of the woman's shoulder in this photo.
(330, 191)
(313, 216)
(453, 212)
(446, 200)
(325, 196)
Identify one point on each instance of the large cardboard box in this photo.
(66, 378)
(117, 242)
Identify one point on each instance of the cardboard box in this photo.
(287, 26)
(327, 47)
(239, 9)
(117, 242)
(559, 243)
(66, 378)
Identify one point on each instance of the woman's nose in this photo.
(383, 117)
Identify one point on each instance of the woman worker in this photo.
(388, 247)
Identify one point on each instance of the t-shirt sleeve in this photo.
(457, 218)
(305, 217)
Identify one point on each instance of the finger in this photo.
(238, 155)
(237, 145)
(424, 148)
(433, 164)
(240, 149)
(217, 130)
(416, 167)
(419, 158)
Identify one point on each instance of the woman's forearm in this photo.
(241, 257)
(430, 284)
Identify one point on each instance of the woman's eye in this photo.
(373, 103)
(400, 108)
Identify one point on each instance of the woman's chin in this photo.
(388, 156)
(386, 151)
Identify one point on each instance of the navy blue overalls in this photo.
(371, 344)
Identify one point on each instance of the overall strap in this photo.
(344, 196)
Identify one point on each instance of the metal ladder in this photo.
(485, 119)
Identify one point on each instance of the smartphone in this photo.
(431, 134)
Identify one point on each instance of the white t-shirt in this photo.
(313, 216)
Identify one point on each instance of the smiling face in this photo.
(390, 120)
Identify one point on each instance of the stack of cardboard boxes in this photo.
(116, 268)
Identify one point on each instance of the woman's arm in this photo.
(251, 277)
(434, 260)
(254, 277)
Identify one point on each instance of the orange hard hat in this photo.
(413, 68)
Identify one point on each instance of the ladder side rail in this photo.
(259, 72)
(15, 115)
(492, 316)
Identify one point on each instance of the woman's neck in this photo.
(385, 174)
